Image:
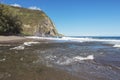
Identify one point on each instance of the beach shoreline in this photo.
(36, 71)
(17, 39)
(12, 39)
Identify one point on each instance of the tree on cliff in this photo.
(10, 23)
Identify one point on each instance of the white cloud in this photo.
(34, 8)
(16, 5)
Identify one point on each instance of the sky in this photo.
(79, 17)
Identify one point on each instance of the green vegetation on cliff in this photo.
(9, 22)
(30, 22)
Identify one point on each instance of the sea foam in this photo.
(3, 59)
(87, 39)
(117, 45)
(67, 60)
(22, 47)
(114, 42)
(89, 57)
(30, 43)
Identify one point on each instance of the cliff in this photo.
(34, 22)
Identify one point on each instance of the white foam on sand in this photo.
(30, 43)
(66, 60)
(117, 45)
(63, 38)
(22, 47)
(114, 42)
(3, 59)
(89, 57)
(76, 39)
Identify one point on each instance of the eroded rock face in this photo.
(44, 27)
(35, 22)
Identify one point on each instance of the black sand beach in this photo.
(25, 64)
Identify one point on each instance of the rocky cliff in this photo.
(34, 22)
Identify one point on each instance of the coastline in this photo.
(53, 59)
(20, 39)
(38, 71)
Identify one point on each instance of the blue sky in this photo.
(79, 17)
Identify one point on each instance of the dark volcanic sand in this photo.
(26, 65)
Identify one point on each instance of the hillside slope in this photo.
(34, 22)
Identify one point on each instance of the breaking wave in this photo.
(87, 39)
(30, 43)
(66, 60)
(117, 45)
(89, 57)
(22, 47)
(112, 41)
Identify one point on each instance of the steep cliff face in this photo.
(35, 22)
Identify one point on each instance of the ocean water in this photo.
(89, 58)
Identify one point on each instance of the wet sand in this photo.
(12, 39)
(16, 39)
(9, 38)
(23, 65)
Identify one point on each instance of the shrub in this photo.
(10, 23)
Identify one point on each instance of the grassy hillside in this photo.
(34, 22)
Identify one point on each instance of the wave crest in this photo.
(66, 60)
(117, 45)
(22, 47)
